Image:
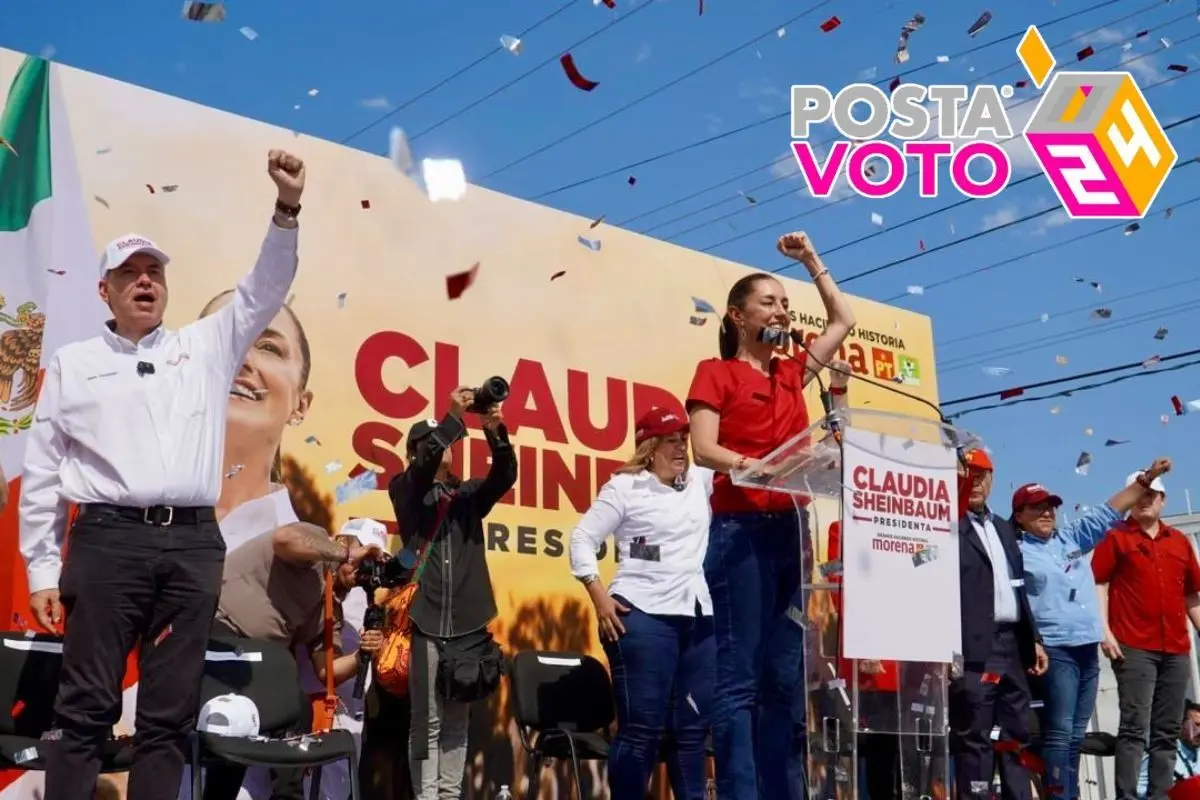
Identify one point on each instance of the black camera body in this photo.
(494, 390)
(374, 573)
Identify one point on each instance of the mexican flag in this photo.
(47, 290)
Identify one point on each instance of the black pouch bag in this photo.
(469, 667)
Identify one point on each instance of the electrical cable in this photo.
(623, 223)
(850, 196)
(749, 126)
(1060, 314)
(1028, 254)
(551, 60)
(1142, 372)
(1088, 332)
(670, 84)
(493, 51)
(747, 207)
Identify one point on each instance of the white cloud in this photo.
(1055, 219)
(379, 103)
(1104, 36)
(1144, 68)
(1001, 216)
(643, 54)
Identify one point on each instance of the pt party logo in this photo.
(1093, 135)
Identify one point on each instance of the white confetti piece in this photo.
(1088, 431)
(1165, 42)
(332, 467)
(943, 59)
(444, 179)
(341, 300)
(1045, 318)
(1164, 419)
(313, 92)
(1083, 463)
(312, 440)
(399, 150)
(203, 12)
(916, 290)
(876, 219)
(1060, 360)
(996, 372)
(782, 32)
(591, 244)
(248, 32)
(1055, 409)
(511, 43)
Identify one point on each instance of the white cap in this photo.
(368, 532)
(229, 715)
(119, 250)
(1156, 484)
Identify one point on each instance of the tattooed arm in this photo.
(301, 544)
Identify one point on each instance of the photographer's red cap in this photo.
(659, 422)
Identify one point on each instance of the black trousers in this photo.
(987, 695)
(383, 770)
(223, 781)
(125, 583)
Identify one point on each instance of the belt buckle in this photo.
(146, 516)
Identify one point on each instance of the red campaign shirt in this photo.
(1149, 581)
(758, 414)
(889, 679)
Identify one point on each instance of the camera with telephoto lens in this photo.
(374, 572)
(493, 391)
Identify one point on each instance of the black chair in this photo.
(29, 673)
(563, 705)
(266, 673)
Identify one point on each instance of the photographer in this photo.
(454, 660)
(273, 589)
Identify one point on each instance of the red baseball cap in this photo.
(979, 459)
(1032, 494)
(659, 422)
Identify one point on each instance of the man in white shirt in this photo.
(130, 426)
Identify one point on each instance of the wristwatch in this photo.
(291, 212)
(588, 580)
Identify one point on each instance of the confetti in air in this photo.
(574, 75)
(203, 12)
(459, 282)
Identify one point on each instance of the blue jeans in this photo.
(661, 660)
(753, 572)
(1070, 695)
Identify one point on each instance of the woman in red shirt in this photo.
(742, 406)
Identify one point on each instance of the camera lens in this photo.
(494, 390)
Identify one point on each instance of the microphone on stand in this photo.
(779, 337)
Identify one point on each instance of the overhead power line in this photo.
(491, 53)
(753, 191)
(689, 74)
(726, 134)
(1074, 390)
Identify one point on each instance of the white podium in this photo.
(879, 592)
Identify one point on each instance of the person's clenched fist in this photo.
(287, 171)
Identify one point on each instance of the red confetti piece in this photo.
(1143, 34)
(1178, 404)
(632, 181)
(1021, 84)
(151, 188)
(921, 244)
(17, 708)
(458, 283)
(574, 75)
(354, 473)
(829, 24)
(610, 3)
(895, 84)
(558, 274)
(1008, 394)
(1086, 52)
(1177, 67)
(163, 634)
(365, 203)
(989, 677)
(1032, 761)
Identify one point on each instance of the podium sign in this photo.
(899, 548)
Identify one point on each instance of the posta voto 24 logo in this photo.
(1093, 134)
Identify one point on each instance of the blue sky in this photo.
(370, 59)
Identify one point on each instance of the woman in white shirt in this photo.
(656, 617)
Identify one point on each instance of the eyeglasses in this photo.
(1043, 509)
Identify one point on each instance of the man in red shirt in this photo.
(1149, 587)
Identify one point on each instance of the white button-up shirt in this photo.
(1004, 596)
(102, 433)
(641, 507)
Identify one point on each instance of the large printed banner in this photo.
(374, 339)
(899, 549)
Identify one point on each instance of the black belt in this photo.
(161, 516)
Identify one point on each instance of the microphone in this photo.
(798, 338)
(144, 368)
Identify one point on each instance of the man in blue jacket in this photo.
(1000, 645)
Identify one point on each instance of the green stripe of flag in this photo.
(25, 124)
